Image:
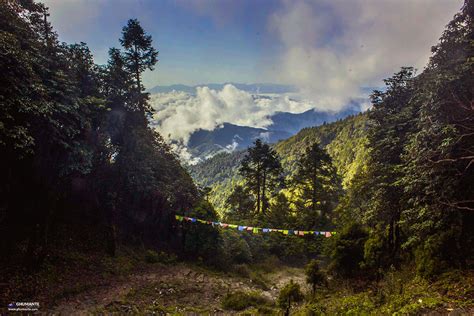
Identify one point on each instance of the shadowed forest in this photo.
(89, 192)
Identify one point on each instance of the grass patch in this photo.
(253, 273)
(400, 293)
(239, 300)
(152, 256)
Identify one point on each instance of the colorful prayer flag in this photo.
(256, 230)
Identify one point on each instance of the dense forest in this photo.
(84, 173)
(81, 167)
(344, 140)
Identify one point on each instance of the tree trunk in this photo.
(264, 203)
(287, 312)
(112, 240)
(258, 190)
(313, 196)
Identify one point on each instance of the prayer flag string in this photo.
(256, 230)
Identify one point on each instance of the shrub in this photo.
(259, 280)
(202, 241)
(162, 257)
(240, 300)
(347, 252)
(151, 256)
(290, 293)
(236, 248)
(314, 276)
(242, 270)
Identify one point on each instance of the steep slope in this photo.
(294, 122)
(229, 137)
(344, 140)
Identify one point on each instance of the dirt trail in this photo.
(180, 287)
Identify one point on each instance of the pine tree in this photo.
(317, 186)
(262, 172)
(140, 55)
(239, 204)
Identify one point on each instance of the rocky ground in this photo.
(175, 288)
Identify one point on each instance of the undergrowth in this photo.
(399, 293)
(240, 300)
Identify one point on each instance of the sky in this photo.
(329, 49)
(322, 46)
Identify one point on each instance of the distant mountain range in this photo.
(293, 122)
(344, 140)
(229, 137)
(251, 88)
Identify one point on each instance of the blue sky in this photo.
(198, 42)
(328, 48)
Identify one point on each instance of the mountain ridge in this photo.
(344, 139)
(249, 87)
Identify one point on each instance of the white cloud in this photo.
(331, 48)
(233, 146)
(179, 114)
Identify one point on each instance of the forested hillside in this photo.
(97, 212)
(80, 165)
(345, 141)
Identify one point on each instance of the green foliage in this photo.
(236, 247)
(347, 251)
(202, 241)
(430, 255)
(375, 252)
(418, 185)
(279, 214)
(317, 188)
(289, 294)
(262, 173)
(140, 55)
(240, 300)
(344, 140)
(314, 276)
(398, 292)
(239, 205)
(75, 140)
(152, 256)
(406, 166)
